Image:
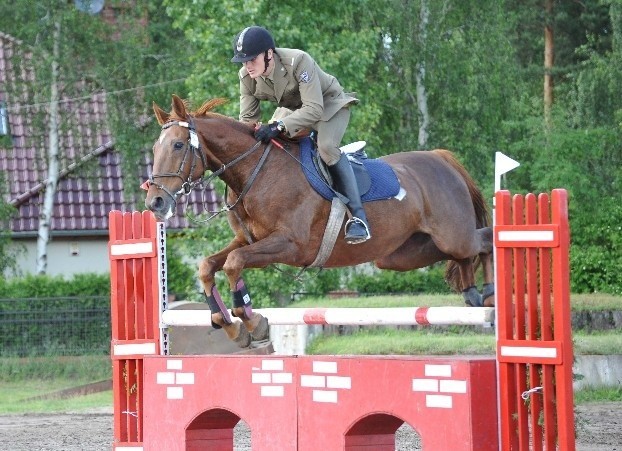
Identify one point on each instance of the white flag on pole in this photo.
(503, 164)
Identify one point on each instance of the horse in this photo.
(277, 218)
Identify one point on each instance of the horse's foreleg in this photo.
(257, 255)
(220, 314)
(255, 323)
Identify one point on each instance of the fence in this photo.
(54, 326)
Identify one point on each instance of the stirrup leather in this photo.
(356, 240)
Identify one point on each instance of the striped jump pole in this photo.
(393, 316)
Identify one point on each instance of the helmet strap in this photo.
(266, 60)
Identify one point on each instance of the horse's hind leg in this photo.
(488, 290)
(418, 251)
(461, 271)
(472, 297)
(486, 259)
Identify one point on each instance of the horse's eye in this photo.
(178, 145)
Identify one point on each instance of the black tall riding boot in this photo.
(357, 228)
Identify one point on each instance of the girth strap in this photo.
(333, 227)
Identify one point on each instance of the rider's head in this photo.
(250, 42)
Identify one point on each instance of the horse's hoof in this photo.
(472, 298)
(261, 331)
(489, 301)
(488, 295)
(243, 340)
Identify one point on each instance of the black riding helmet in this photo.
(250, 42)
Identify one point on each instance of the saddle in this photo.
(356, 154)
(375, 178)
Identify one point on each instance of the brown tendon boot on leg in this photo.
(357, 228)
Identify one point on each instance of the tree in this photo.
(549, 58)
(74, 54)
(8, 253)
(341, 36)
(581, 149)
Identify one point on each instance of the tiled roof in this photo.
(91, 184)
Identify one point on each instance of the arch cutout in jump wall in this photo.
(222, 429)
(211, 429)
(380, 430)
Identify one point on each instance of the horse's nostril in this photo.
(157, 203)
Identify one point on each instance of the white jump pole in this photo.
(393, 316)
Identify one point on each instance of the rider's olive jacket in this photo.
(298, 84)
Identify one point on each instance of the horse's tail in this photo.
(482, 216)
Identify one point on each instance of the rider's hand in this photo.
(267, 132)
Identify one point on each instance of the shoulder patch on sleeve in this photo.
(304, 77)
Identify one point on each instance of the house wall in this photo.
(67, 256)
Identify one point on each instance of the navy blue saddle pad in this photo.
(384, 182)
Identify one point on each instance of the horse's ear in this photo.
(179, 107)
(161, 115)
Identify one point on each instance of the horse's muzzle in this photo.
(162, 207)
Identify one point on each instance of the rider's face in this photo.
(257, 67)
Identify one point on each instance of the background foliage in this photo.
(484, 74)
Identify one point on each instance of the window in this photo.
(4, 120)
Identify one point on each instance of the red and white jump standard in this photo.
(171, 402)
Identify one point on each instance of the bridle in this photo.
(193, 149)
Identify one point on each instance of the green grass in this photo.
(598, 394)
(427, 300)
(579, 302)
(598, 343)
(403, 342)
(83, 368)
(28, 377)
(15, 398)
(595, 302)
(454, 341)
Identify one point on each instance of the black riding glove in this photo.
(267, 132)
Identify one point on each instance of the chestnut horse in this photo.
(277, 218)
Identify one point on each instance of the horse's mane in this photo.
(208, 106)
(205, 110)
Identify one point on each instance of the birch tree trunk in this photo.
(422, 97)
(45, 215)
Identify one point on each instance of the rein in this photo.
(247, 186)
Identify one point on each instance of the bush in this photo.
(44, 286)
(428, 280)
(268, 286)
(181, 277)
(51, 315)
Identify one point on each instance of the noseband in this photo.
(193, 149)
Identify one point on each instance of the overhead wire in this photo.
(73, 99)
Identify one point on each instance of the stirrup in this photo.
(356, 239)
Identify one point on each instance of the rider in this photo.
(292, 79)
